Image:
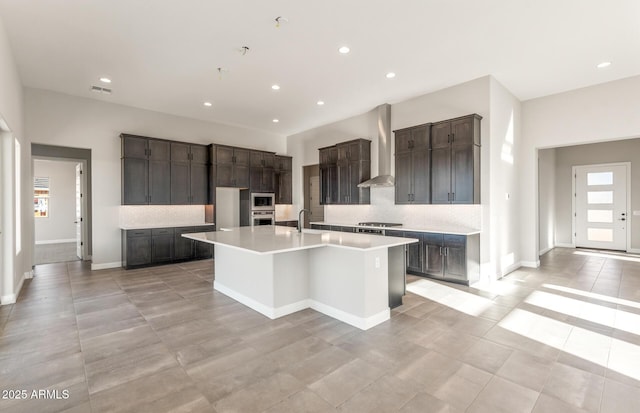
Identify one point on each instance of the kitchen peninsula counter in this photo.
(276, 271)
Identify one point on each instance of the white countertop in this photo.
(173, 225)
(270, 239)
(439, 229)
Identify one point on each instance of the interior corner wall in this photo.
(303, 147)
(59, 225)
(503, 206)
(547, 199)
(56, 119)
(14, 266)
(627, 150)
(599, 113)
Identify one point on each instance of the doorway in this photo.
(601, 206)
(58, 188)
(76, 216)
(311, 176)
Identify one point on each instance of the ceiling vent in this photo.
(99, 89)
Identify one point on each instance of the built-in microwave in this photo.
(263, 201)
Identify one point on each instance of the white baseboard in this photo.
(8, 299)
(106, 265)
(530, 264)
(11, 298)
(563, 245)
(633, 250)
(544, 251)
(55, 241)
(511, 268)
(273, 313)
(359, 322)
(263, 309)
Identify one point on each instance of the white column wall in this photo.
(503, 205)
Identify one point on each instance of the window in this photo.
(41, 197)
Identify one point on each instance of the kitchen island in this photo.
(276, 271)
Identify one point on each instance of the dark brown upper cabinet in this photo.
(283, 179)
(146, 166)
(189, 174)
(455, 161)
(232, 167)
(413, 165)
(342, 168)
(162, 172)
(328, 175)
(262, 173)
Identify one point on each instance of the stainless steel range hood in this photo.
(384, 177)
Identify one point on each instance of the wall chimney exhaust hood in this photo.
(384, 178)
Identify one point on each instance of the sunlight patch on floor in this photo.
(613, 256)
(588, 294)
(458, 300)
(600, 349)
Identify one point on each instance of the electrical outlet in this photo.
(377, 262)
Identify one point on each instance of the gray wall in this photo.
(596, 153)
(59, 225)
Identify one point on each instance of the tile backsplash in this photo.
(384, 209)
(171, 215)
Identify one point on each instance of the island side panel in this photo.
(346, 284)
(291, 282)
(272, 284)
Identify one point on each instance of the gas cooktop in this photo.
(378, 224)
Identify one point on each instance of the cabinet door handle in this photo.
(453, 196)
(441, 251)
(448, 138)
(446, 251)
(448, 196)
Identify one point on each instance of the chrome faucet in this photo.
(300, 218)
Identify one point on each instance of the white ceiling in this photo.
(163, 54)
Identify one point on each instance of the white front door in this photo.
(601, 215)
(78, 220)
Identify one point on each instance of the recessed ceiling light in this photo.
(105, 80)
(344, 50)
(276, 121)
(603, 65)
(207, 104)
(390, 75)
(320, 102)
(275, 87)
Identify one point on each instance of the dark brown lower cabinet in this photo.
(161, 245)
(147, 247)
(447, 257)
(136, 248)
(452, 257)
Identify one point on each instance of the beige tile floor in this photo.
(561, 338)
